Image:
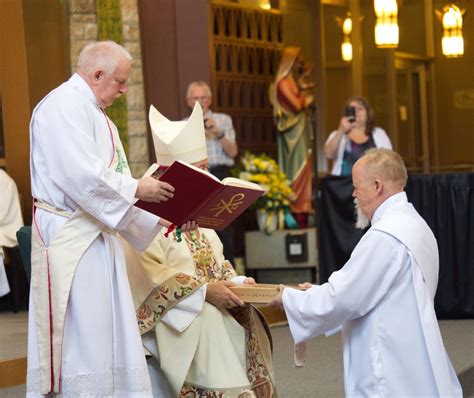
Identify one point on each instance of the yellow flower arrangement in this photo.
(265, 171)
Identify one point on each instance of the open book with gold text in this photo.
(202, 197)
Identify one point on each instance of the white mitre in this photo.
(184, 140)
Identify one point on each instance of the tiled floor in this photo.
(13, 335)
(321, 377)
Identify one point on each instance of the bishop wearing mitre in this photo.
(203, 340)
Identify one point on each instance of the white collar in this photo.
(83, 88)
(390, 202)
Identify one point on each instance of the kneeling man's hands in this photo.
(277, 302)
(219, 294)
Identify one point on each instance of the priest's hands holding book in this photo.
(219, 294)
(153, 190)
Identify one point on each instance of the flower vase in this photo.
(267, 220)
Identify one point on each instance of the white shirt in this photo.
(216, 155)
(11, 219)
(381, 140)
(374, 297)
(10, 222)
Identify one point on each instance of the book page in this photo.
(237, 182)
(199, 170)
(151, 170)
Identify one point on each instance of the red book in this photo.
(202, 197)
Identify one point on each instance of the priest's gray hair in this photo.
(387, 165)
(199, 83)
(102, 55)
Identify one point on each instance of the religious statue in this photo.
(290, 97)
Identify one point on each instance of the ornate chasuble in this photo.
(176, 270)
(53, 269)
(175, 285)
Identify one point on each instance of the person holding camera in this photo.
(220, 142)
(356, 134)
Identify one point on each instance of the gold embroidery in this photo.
(257, 370)
(164, 297)
(168, 294)
(207, 269)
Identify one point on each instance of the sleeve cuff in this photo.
(184, 313)
(140, 227)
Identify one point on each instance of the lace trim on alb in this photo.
(96, 384)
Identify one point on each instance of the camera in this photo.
(350, 112)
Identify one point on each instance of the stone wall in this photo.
(83, 30)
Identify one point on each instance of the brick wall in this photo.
(83, 30)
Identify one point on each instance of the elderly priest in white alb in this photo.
(383, 296)
(82, 334)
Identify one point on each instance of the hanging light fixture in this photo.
(346, 46)
(386, 25)
(265, 4)
(452, 43)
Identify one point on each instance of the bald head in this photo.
(385, 165)
(377, 175)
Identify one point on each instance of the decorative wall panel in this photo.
(246, 45)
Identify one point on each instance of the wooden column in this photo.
(319, 51)
(357, 56)
(34, 59)
(392, 111)
(175, 42)
(16, 105)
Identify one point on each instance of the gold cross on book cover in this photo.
(261, 293)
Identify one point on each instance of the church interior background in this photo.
(422, 98)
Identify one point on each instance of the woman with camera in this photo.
(356, 133)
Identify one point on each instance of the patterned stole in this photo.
(119, 161)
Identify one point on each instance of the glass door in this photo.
(412, 112)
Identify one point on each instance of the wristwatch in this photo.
(221, 136)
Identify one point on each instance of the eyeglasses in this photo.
(203, 98)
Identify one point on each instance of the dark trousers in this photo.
(226, 236)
